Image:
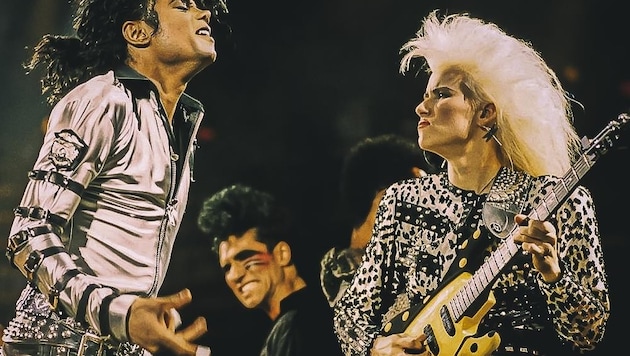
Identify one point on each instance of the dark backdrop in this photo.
(295, 85)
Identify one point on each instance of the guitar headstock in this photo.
(621, 121)
(600, 144)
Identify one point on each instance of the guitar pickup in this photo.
(431, 340)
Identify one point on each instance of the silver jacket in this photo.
(96, 225)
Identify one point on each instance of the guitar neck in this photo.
(492, 266)
(561, 191)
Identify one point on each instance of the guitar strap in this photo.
(506, 198)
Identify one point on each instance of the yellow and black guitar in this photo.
(446, 317)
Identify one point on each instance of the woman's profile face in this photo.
(446, 116)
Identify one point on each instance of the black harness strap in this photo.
(38, 213)
(58, 179)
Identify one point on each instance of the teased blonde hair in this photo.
(534, 115)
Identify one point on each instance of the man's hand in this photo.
(153, 324)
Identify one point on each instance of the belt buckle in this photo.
(86, 338)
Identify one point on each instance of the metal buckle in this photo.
(91, 337)
(32, 263)
(53, 298)
(17, 241)
(38, 213)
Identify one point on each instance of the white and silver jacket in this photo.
(96, 225)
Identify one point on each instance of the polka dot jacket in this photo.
(423, 225)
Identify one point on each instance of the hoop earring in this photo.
(426, 158)
(433, 162)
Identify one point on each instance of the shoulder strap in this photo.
(507, 198)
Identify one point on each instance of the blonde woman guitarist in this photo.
(505, 210)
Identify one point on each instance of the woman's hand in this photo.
(539, 239)
(400, 344)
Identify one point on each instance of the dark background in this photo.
(295, 85)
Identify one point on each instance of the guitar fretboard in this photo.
(507, 249)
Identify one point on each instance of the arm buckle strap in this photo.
(38, 213)
(53, 294)
(33, 212)
(58, 179)
(32, 263)
(18, 240)
(35, 259)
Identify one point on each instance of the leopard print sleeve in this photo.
(360, 311)
(579, 301)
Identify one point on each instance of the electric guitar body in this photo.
(451, 316)
(446, 336)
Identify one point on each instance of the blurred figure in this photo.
(493, 255)
(252, 236)
(95, 228)
(371, 165)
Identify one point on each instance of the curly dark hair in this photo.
(97, 45)
(374, 164)
(238, 208)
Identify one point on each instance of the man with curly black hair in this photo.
(369, 167)
(252, 234)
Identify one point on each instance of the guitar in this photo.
(443, 317)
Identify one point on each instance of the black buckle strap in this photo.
(18, 240)
(36, 257)
(82, 306)
(58, 179)
(53, 294)
(38, 213)
(103, 314)
(32, 263)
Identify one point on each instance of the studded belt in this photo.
(11, 349)
(37, 330)
(28, 335)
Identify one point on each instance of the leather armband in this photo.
(32, 263)
(35, 258)
(41, 257)
(38, 213)
(53, 294)
(104, 314)
(57, 179)
(83, 302)
(17, 241)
